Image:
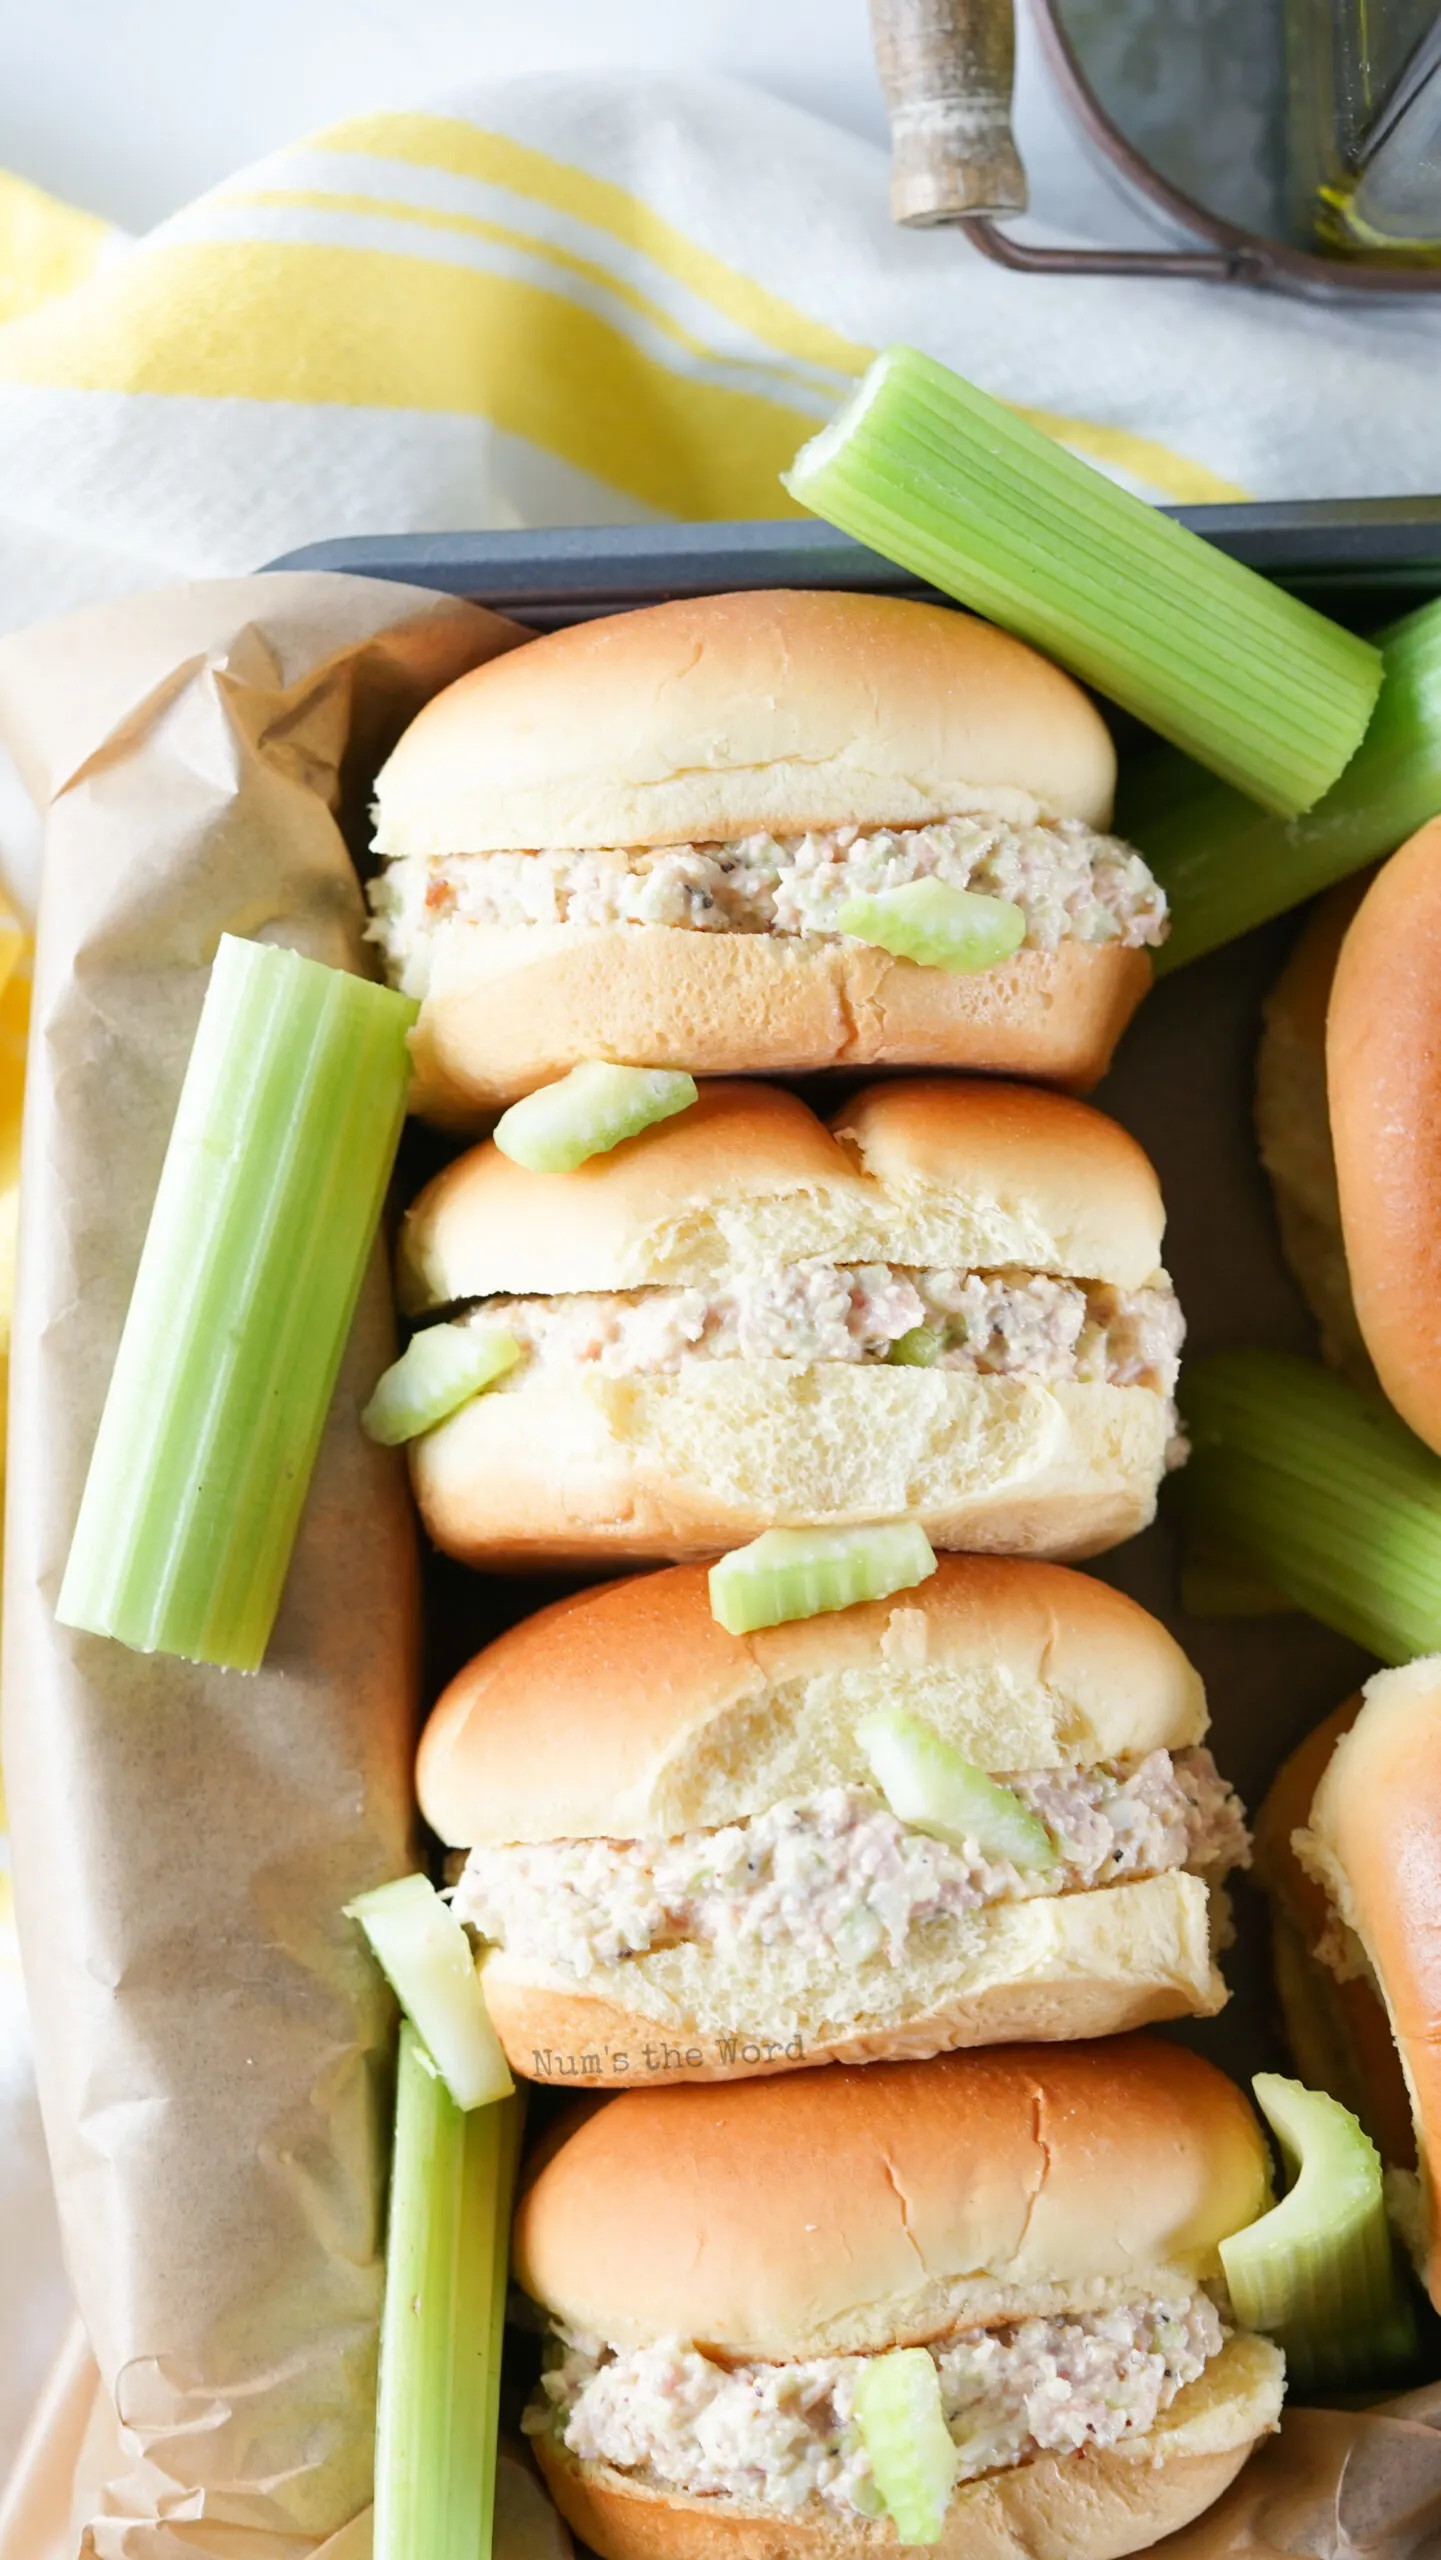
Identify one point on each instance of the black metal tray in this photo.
(1355, 555)
(1181, 1083)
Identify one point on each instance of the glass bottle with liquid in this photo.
(1364, 127)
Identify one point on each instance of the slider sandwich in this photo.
(948, 1306)
(1349, 1114)
(1348, 1848)
(979, 1810)
(730, 2274)
(660, 837)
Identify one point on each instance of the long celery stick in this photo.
(1254, 683)
(452, 2183)
(269, 1200)
(1226, 865)
(1322, 1491)
(1318, 2272)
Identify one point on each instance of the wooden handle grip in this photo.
(946, 68)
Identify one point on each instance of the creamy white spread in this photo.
(783, 2436)
(996, 1324)
(836, 1873)
(1070, 883)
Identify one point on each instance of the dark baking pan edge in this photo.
(1346, 547)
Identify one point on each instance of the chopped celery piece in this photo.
(1318, 2272)
(452, 2182)
(913, 2458)
(936, 475)
(921, 1348)
(1226, 865)
(1322, 1491)
(927, 1784)
(590, 1111)
(269, 1200)
(941, 927)
(439, 1369)
(801, 1573)
(425, 1956)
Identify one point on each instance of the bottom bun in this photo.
(1048, 1971)
(568, 1465)
(1074, 2506)
(513, 1007)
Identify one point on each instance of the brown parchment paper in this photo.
(210, 2039)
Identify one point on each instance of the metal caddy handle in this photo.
(947, 68)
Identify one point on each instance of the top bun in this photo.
(939, 1173)
(720, 715)
(1374, 1841)
(630, 1713)
(1383, 1073)
(840, 2211)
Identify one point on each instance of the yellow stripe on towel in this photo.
(217, 320)
(46, 247)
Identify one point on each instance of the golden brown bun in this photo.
(571, 1469)
(1339, 2033)
(513, 1007)
(704, 719)
(969, 1176)
(716, 715)
(1374, 1840)
(1295, 1131)
(565, 1464)
(1054, 1970)
(844, 2211)
(1383, 1067)
(629, 1713)
(1091, 2506)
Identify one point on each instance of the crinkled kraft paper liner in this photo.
(211, 2038)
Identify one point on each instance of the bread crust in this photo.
(711, 716)
(629, 1712)
(568, 1469)
(1055, 1970)
(966, 1175)
(1339, 2033)
(511, 1008)
(1294, 1130)
(1096, 2505)
(1374, 1837)
(1383, 1066)
(844, 2210)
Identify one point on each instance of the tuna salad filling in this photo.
(783, 2436)
(835, 1874)
(1070, 883)
(993, 1324)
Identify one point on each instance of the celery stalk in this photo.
(805, 1573)
(1256, 684)
(1318, 2272)
(452, 2182)
(1226, 865)
(1321, 1491)
(269, 1199)
(426, 1958)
